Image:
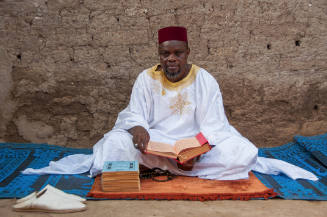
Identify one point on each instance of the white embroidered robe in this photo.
(171, 111)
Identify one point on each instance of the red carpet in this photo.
(190, 188)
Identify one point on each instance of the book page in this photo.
(163, 154)
(160, 147)
(185, 144)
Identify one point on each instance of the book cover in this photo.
(119, 166)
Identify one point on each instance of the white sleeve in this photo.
(210, 113)
(138, 110)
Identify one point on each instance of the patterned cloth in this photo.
(16, 157)
(309, 153)
(316, 145)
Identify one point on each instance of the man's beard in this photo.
(172, 76)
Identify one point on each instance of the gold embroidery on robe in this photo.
(175, 86)
(179, 104)
(156, 87)
(163, 92)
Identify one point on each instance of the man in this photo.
(171, 101)
(173, 63)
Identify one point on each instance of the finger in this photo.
(138, 141)
(147, 139)
(138, 144)
(143, 146)
(135, 140)
(146, 145)
(142, 139)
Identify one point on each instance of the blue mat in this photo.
(309, 153)
(16, 157)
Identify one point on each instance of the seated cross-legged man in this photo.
(170, 101)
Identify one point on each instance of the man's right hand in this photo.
(141, 137)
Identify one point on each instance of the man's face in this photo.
(173, 59)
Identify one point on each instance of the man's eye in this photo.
(178, 53)
(164, 54)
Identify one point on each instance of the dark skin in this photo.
(173, 61)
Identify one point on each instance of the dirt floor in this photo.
(226, 208)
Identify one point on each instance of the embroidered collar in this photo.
(158, 74)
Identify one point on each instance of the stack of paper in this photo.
(119, 176)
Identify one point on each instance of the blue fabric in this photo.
(316, 145)
(16, 157)
(309, 153)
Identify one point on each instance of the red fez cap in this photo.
(177, 33)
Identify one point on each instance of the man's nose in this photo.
(172, 57)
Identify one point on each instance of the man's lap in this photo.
(117, 145)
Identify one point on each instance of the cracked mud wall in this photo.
(67, 66)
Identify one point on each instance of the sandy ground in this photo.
(226, 208)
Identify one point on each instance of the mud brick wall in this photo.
(67, 66)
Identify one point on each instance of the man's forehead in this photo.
(173, 44)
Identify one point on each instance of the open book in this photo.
(183, 149)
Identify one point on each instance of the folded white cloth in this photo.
(275, 167)
(75, 164)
